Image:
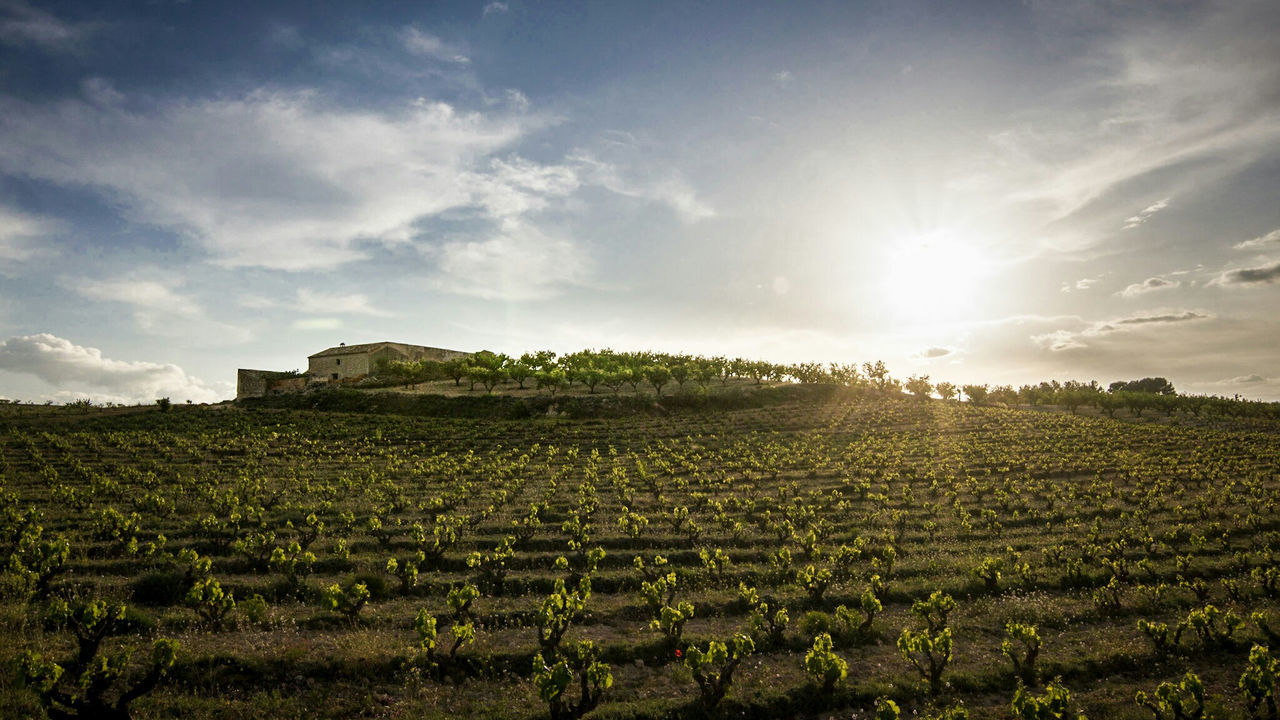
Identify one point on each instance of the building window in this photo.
(334, 376)
(338, 361)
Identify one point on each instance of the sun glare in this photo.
(933, 277)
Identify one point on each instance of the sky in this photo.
(998, 192)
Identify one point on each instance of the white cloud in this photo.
(100, 91)
(1243, 380)
(317, 324)
(494, 8)
(1193, 93)
(273, 179)
(22, 24)
(1151, 284)
(933, 353)
(320, 302)
(671, 190)
(1251, 276)
(519, 262)
(158, 307)
(1068, 339)
(425, 44)
(78, 371)
(281, 180)
(146, 295)
(315, 301)
(1145, 214)
(1261, 242)
(20, 234)
(1081, 284)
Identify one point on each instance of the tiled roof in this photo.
(371, 347)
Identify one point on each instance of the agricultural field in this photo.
(859, 556)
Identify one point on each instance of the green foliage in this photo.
(347, 600)
(989, 571)
(1053, 705)
(671, 620)
(1260, 683)
(210, 602)
(93, 683)
(887, 709)
(935, 611)
(823, 665)
(553, 681)
(929, 653)
(425, 625)
(1022, 647)
(558, 611)
(713, 667)
(1214, 627)
(1181, 701)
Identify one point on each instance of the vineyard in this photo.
(862, 556)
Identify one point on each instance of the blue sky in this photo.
(982, 192)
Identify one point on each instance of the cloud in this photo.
(21, 24)
(1262, 241)
(1066, 339)
(77, 370)
(783, 77)
(314, 301)
(1260, 275)
(670, 190)
(425, 44)
(1167, 318)
(1151, 284)
(19, 235)
(518, 262)
(158, 307)
(1176, 102)
(284, 180)
(317, 324)
(100, 91)
(146, 295)
(933, 353)
(1145, 214)
(1243, 380)
(494, 8)
(275, 180)
(1081, 284)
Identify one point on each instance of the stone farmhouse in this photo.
(336, 364)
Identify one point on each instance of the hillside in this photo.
(844, 510)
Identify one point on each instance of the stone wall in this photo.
(259, 383)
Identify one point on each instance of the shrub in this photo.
(83, 686)
(1260, 682)
(1053, 705)
(928, 653)
(553, 681)
(210, 602)
(713, 668)
(824, 665)
(1183, 701)
(347, 601)
(1024, 657)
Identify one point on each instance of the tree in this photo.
(657, 375)
(919, 386)
(519, 371)
(1149, 385)
(456, 369)
(946, 390)
(977, 394)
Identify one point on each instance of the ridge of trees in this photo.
(598, 370)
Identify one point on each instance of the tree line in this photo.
(614, 371)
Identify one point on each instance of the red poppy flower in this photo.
(679, 653)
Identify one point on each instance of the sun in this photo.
(933, 277)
